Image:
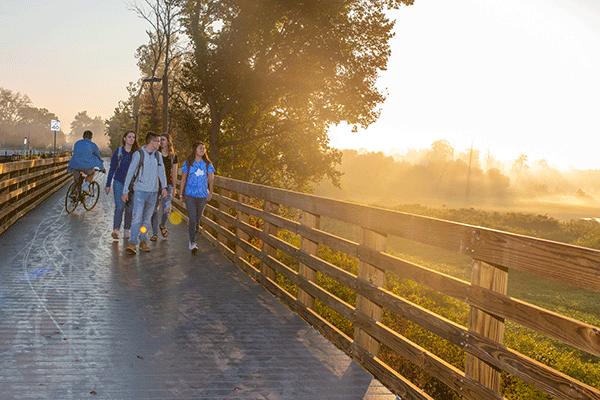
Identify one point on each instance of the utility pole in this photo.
(165, 110)
(467, 193)
(165, 79)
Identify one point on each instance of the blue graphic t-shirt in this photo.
(197, 179)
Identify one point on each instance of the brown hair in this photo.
(170, 144)
(135, 145)
(192, 156)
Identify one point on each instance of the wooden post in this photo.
(376, 276)
(224, 208)
(272, 208)
(243, 217)
(312, 221)
(494, 278)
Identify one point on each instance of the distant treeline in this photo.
(436, 173)
(19, 120)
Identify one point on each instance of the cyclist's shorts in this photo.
(87, 172)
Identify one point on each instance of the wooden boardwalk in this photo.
(81, 319)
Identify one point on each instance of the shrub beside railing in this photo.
(246, 225)
(25, 184)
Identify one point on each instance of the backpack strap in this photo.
(140, 165)
(119, 157)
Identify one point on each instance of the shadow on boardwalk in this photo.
(81, 319)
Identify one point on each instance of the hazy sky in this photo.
(70, 55)
(512, 76)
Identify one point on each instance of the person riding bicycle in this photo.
(86, 158)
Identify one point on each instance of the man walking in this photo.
(145, 171)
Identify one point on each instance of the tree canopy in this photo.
(19, 120)
(97, 125)
(262, 81)
(266, 79)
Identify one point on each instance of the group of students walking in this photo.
(143, 181)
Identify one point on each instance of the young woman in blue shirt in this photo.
(197, 183)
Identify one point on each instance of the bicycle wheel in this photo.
(91, 198)
(72, 197)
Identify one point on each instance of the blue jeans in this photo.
(120, 207)
(163, 203)
(195, 207)
(143, 206)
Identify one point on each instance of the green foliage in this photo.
(579, 304)
(267, 78)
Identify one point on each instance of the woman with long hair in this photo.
(169, 159)
(119, 164)
(197, 183)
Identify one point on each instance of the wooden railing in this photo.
(233, 227)
(25, 184)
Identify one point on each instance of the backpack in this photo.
(119, 157)
(137, 171)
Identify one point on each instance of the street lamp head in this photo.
(153, 79)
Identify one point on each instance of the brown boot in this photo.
(144, 246)
(131, 249)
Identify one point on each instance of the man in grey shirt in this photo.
(146, 170)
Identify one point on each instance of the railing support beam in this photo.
(243, 217)
(494, 278)
(271, 229)
(312, 221)
(225, 209)
(376, 277)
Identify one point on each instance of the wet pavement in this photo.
(79, 319)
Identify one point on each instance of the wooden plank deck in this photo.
(81, 319)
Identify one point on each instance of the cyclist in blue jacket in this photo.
(86, 158)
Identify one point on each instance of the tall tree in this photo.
(97, 125)
(441, 150)
(123, 118)
(160, 55)
(268, 77)
(11, 106)
(19, 120)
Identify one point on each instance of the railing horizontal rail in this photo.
(25, 184)
(575, 333)
(574, 265)
(238, 201)
(538, 374)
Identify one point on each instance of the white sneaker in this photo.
(126, 233)
(193, 247)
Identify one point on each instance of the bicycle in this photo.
(76, 195)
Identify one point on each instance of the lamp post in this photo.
(165, 111)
